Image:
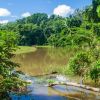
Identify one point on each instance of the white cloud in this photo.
(63, 10)
(4, 21)
(26, 14)
(4, 12)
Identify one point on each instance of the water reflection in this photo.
(38, 97)
(39, 91)
(44, 60)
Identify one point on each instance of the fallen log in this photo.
(75, 85)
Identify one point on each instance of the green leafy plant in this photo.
(8, 81)
(98, 11)
(80, 63)
(95, 72)
(50, 81)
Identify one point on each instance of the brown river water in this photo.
(48, 60)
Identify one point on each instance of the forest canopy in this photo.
(77, 29)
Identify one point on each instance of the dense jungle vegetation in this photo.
(80, 30)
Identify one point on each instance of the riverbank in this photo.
(38, 60)
(25, 49)
(44, 46)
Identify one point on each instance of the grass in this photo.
(25, 49)
(44, 46)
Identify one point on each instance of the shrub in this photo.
(95, 72)
(7, 80)
(96, 29)
(80, 63)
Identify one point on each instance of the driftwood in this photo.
(52, 73)
(75, 85)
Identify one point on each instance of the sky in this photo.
(10, 10)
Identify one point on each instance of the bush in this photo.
(88, 26)
(96, 29)
(7, 80)
(80, 63)
(95, 72)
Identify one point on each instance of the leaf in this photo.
(98, 11)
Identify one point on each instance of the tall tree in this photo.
(96, 4)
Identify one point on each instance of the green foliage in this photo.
(88, 14)
(95, 72)
(50, 81)
(82, 40)
(96, 29)
(53, 40)
(80, 63)
(98, 11)
(95, 10)
(87, 64)
(31, 35)
(8, 81)
(37, 19)
(74, 22)
(7, 45)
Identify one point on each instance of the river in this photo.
(44, 61)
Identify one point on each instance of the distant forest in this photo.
(81, 28)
